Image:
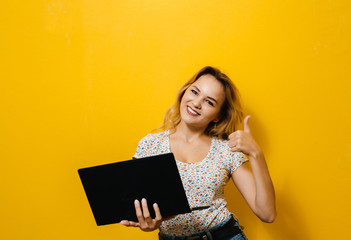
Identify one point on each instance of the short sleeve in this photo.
(235, 160)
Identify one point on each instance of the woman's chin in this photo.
(192, 124)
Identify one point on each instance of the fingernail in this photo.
(155, 205)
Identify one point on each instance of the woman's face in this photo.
(202, 102)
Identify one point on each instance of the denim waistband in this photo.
(205, 234)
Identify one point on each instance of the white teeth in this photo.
(192, 111)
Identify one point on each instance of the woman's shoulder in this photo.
(222, 145)
(152, 137)
(152, 144)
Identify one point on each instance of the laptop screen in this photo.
(112, 188)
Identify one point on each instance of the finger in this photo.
(246, 124)
(146, 212)
(129, 223)
(138, 212)
(157, 212)
(234, 141)
(234, 149)
(235, 134)
(124, 222)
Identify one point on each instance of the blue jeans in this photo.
(238, 236)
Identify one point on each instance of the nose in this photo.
(197, 103)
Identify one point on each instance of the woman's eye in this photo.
(193, 91)
(209, 102)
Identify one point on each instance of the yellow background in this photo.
(83, 81)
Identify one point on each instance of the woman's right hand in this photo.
(145, 222)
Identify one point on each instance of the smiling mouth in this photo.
(192, 111)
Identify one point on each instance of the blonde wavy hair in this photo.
(231, 112)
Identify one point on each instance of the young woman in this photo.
(199, 129)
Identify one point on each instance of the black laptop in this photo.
(112, 188)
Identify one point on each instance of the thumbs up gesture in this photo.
(242, 141)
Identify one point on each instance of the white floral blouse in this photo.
(203, 182)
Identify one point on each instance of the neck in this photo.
(189, 133)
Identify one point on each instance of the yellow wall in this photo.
(83, 81)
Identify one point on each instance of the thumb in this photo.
(246, 124)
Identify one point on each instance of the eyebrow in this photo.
(207, 96)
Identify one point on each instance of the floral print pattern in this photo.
(203, 182)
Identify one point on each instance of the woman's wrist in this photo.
(257, 154)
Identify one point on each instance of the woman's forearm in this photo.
(265, 195)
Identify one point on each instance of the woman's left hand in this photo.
(242, 141)
(145, 222)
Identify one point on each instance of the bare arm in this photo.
(254, 184)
